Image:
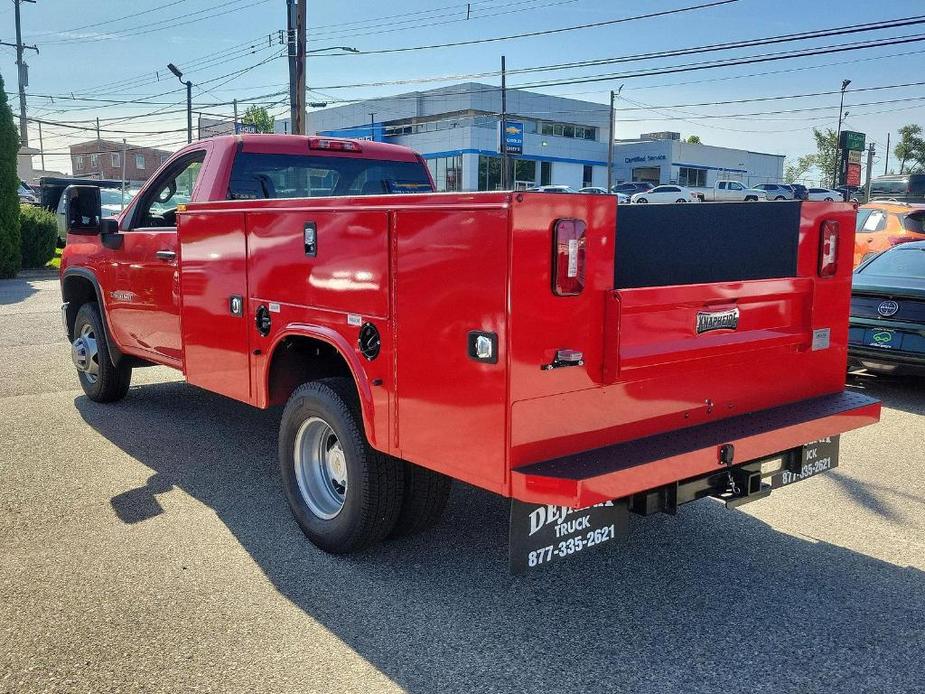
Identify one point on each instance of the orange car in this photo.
(884, 224)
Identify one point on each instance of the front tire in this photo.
(680, 200)
(344, 494)
(100, 379)
(642, 200)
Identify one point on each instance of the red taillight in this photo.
(828, 248)
(568, 257)
(896, 240)
(334, 145)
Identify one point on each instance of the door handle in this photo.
(166, 255)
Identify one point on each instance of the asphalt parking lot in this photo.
(147, 546)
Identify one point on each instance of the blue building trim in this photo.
(709, 168)
(530, 157)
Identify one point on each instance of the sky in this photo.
(106, 53)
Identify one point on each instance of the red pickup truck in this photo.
(586, 360)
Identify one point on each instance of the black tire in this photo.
(680, 200)
(830, 199)
(751, 198)
(374, 482)
(425, 496)
(780, 197)
(641, 200)
(110, 383)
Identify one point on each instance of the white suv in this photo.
(776, 191)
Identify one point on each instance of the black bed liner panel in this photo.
(695, 243)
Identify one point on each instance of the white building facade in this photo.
(564, 141)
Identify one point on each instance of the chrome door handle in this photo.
(166, 255)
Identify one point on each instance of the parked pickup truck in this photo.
(583, 359)
(731, 191)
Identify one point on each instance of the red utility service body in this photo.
(428, 269)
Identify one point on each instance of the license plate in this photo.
(542, 535)
(883, 338)
(816, 456)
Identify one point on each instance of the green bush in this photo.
(9, 198)
(39, 232)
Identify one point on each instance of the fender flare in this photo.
(346, 352)
(115, 354)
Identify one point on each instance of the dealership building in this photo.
(556, 141)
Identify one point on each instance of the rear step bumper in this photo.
(631, 467)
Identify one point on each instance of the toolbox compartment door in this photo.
(213, 285)
(450, 279)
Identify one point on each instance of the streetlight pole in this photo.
(189, 100)
(841, 108)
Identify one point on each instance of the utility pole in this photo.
(841, 108)
(99, 149)
(296, 21)
(124, 152)
(235, 116)
(41, 146)
(886, 156)
(23, 71)
(372, 127)
(613, 128)
(504, 156)
(870, 166)
(610, 145)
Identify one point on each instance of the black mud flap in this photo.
(541, 535)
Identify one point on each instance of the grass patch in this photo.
(56, 261)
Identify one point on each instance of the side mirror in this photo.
(84, 210)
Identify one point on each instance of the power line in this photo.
(768, 40)
(547, 32)
(111, 21)
(169, 23)
(405, 24)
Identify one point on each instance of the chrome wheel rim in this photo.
(320, 468)
(85, 354)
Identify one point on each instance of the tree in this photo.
(694, 140)
(826, 157)
(797, 170)
(910, 148)
(257, 115)
(9, 198)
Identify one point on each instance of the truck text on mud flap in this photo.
(584, 359)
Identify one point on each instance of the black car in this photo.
(800, 192)
(632, 188)
(887, 326)
(852, 193)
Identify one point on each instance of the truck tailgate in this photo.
(704, 313)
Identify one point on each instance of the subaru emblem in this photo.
(888, 308)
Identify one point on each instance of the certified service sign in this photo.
(541, 535)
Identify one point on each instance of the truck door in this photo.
(144, 298)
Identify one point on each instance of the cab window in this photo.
(173, 187)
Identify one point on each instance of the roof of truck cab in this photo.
(299, 144)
